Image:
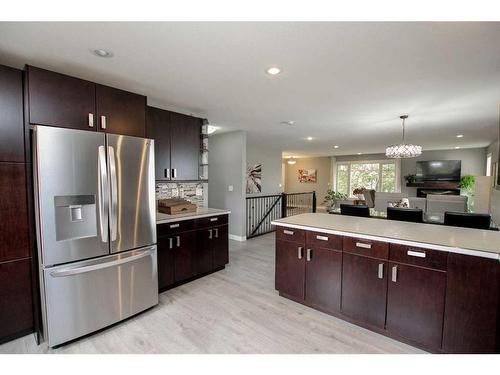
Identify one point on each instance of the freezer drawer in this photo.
(86, 296)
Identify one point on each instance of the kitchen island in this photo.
(435, 287)
(191, 245)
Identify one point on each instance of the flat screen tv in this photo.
(439, 170)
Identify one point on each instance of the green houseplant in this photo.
(332, 197)
(468, 183)
(411, 178)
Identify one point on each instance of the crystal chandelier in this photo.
(403, 150)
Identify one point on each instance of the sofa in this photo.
(439, 204)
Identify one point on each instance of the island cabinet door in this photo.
(220, 246)
(364, 289)
(290, 269)
(472, 321)
(204, 250)
(323, 278)
(415, 304)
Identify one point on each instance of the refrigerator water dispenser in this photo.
(75, 216)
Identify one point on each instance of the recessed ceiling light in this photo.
(335, 146)
(102, 53)
(289, 123)
(309, 138)
(273, 70)
(457, 147)
(460, 135)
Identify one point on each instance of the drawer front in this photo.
(419, 256)
(375, 249)
(326, 241)
(211, 221)
(290, 234)
(174, 227)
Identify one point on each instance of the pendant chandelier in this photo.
(403, 150)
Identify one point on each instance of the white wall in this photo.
(271, 161)
(227, 165)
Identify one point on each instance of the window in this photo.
(383, 176)
(488, 165)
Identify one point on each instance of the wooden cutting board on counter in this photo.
(175, 206)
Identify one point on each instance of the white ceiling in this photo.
(343, 83)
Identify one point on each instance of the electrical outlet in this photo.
(230, 188)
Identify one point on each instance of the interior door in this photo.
(131, 170)
(185, 146)
(70, 178)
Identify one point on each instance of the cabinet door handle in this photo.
(178, 241)
(309, 255)
(210, 234)
(289, 232)
(174, 172)
(91, 120)
(103, 122)
(394, 276)
(170, 243)
(322, 238)
(174, 225)
(167, 173)
(299, 252)
(214, 219)
(216, 232)
(413, 253)
(381, 270)
(364, 245)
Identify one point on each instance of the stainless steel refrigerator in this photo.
(96, 229)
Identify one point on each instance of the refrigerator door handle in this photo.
(114, 193)
(102, 192)
(98, 266)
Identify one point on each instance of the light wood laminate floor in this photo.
(235, 310)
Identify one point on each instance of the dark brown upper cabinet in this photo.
(11, 118)
(56, 99)
(158, 128)
(185, 146)
(177, 144)
(59, 100)
(121, 112)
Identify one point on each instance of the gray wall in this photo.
(227, 165)
(473, 162)
(271, 161)
(324, 174)
(495, 196)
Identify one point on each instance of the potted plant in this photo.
(332, 197)
(411, 178)
(468, 184)
(359, 192)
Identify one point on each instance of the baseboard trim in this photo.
(237, 238)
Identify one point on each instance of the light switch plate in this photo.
(230, 188)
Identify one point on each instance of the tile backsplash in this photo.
(191, 191)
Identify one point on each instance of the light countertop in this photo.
(479, 242)
(200, 212)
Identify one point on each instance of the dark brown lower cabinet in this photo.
(323, 278)
(166, 263)
(16, 302)
(415, 304)
(364, 289)
(191, 252)
(204, 255)
(472, 321)
(290, 269)
(184, 252)
(221, 246)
